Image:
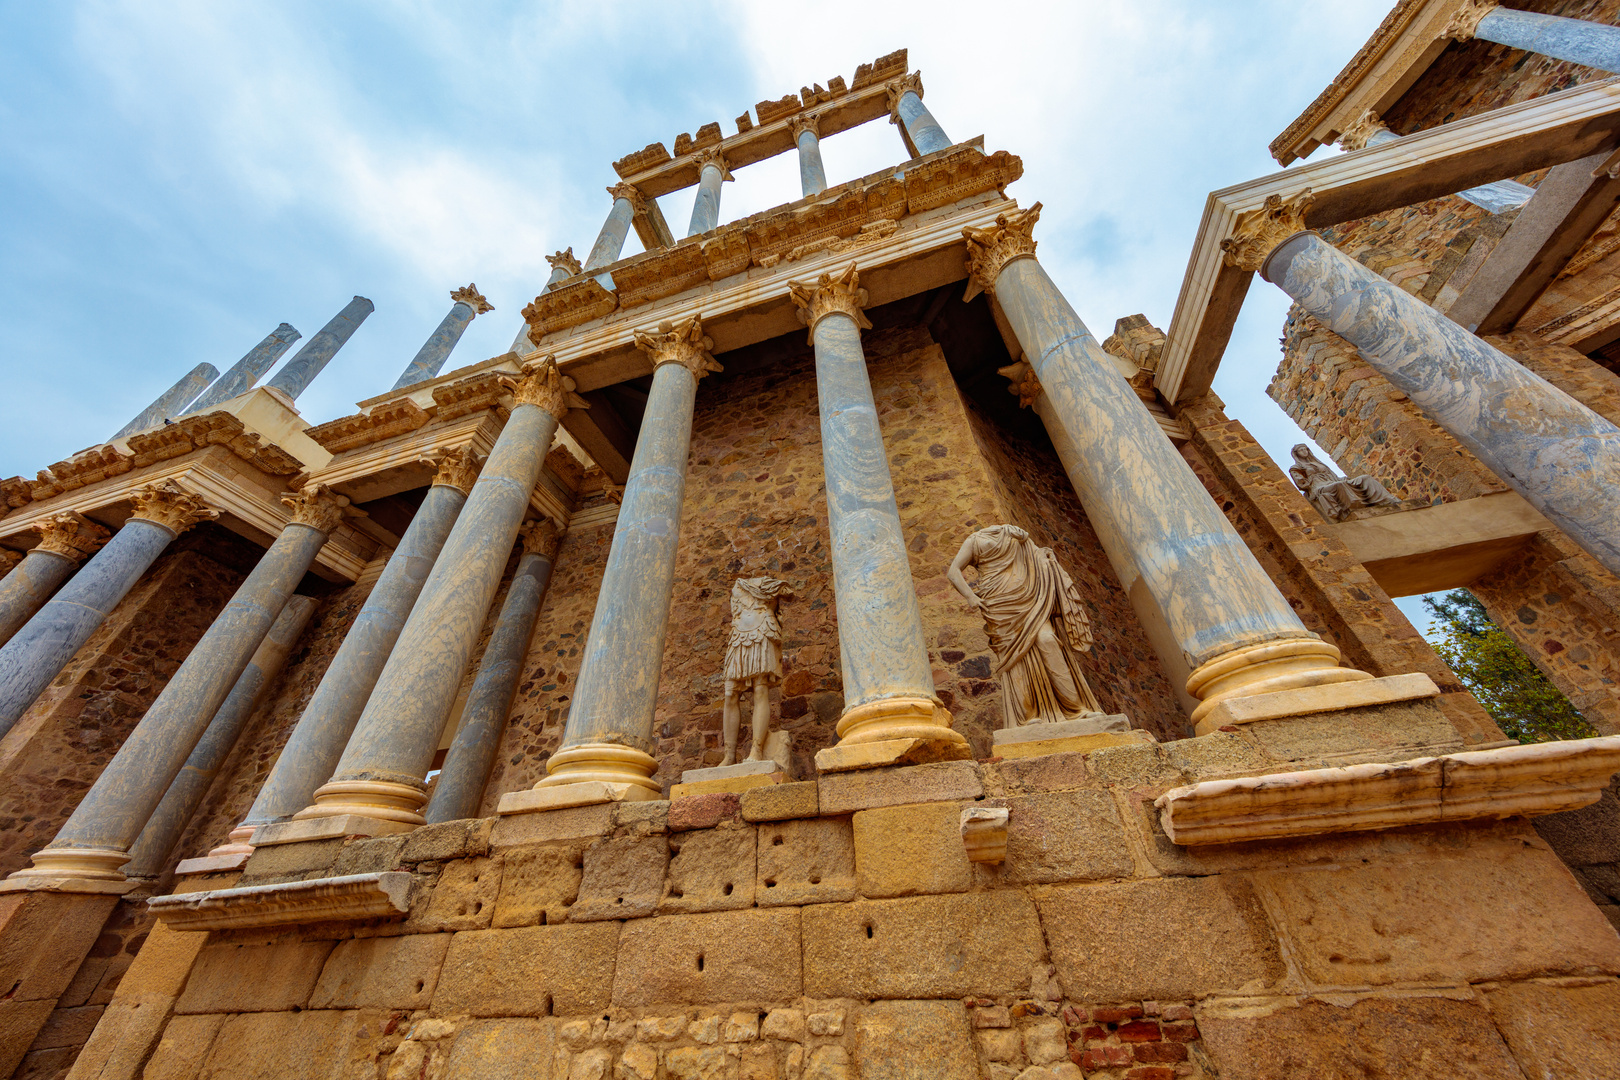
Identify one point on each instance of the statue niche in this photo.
(1036, 625)
(753, 659)
(1335, 497)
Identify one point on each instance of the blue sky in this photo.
(181, 177)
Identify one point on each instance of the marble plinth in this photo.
(326, 828)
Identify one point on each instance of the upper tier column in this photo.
(173, 401)
(39, 651)
(919, 129)
(563, 266)
(1237, 631)
(891, 713)
(244, 374)
(610, 241)
(469, 302)
(807, 137)
(706, 206)
(610, 720)
(1595, 45)
(65, 541)
(294, 378)
(1560, 455)
(1497, 197)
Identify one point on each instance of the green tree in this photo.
(1522, 701)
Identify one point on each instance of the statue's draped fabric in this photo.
(755, 647)
(1335, 496)
(1037, 628)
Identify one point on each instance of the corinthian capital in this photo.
(9, 560)
(1358, 134)
(73, 536)
(912, 82)
(317, 506)
(989, 249)
(1022, 380)
(1465, 20)
(169, 505)
(809, 121)
(711, 155)
(1258, 232)
(565, 258)
(628, 192)
(541, 538)
(841, 295)
(682, 343)
(457, 468)
(470, 296)
(542, 384)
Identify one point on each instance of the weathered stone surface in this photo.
(381, 973)
(1372, 1039)
(1068, 836)
(1374, 732)
(530, 971)
(1150, 940)
(704, 811)
(126, 1033)
(516, 1049)
(867, 789)
(43, 936)
(290, 862)
(1498, 913)
(914, 1040)
(67, 1027)
(376, 855)
(780, 802)
(447, 840)
(1044, 1041)
(1028, 776)
(784, 1024)
(1133, 767)
(573, 823)
(710, 870)
(805, 862)
(184, 1045)
(163, 963)
(232, 977)
(20, 1021)
(623, 878)
(728, 956)
(638, 1062)
(462, 899)
(1560, 1031)
(539, 883)
(1220, 753)
(290, 1046)
(697, 1063)
(907, 850)
(921, 947)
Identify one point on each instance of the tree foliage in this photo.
(1522, 701)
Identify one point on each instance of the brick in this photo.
(911, 850)
(507, 1049)
(805, 862)
(1177, 1012)
(1161, 1052)
(914, 1040)
(1102, 1057)
(232, 977)
(381, 973)
(1067, 836)
(1566, 1032)
(539, 883)
(710, 870)
(781, 802)
(868, 789)
(1180, 1032)
(1116, 1014)
(462, 899)
(623, 878)
(704, 811)
(1139, 1031)
(1151, 1072)
(722, 956)
(529, 971)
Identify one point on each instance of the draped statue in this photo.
(1335, 496)
(1036, 625)
(753, 659)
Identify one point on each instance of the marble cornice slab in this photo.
(1513, 781)
(339, 899)
(569, 304)
(472, 394)
(383, 422)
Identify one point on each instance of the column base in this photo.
(239, 842)
(1067, 737)
(565, 796)
(383, 800)
(1307, 700)
(893, 731)
(610, 764)
(1265, 668)
(55, 866)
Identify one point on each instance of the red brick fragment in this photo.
(1178, 1012)
(1139, 1031)
(1073, 1016)
(1095, 1031)
(1161, 1052)
(1151, 1072)
(1181, 1032)
(1103, 1057)
(1110, 1014)
(704, 811)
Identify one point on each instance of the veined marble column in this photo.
(294, 378)
(186, 792)
(318, 739)
(65, 541)
(380, 775)
(95, 841)
(244, 374)
(609, 730)
(37, 653)
(173, 401)
(436, 349)
(891, 713)
(922, 132)
(1237, 631)
(563, 266)
(712, 172)
(807, 137)
(1498, 197)
(472, 751)
(610, 241)
(1594, 45)
(1560, 455)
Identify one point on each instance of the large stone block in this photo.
(185, 1043)
(67, 1027)
(20, 1021)
(291, 1046)
(725, 956)
(915, 1040)
(1372, 1039)
(44, 936)
(462, 899)
(911, 850)
(710, 870)
(1566, 1032)
(381, 973)
(781, 802)
(922, 947)
(1497, 913)
(447, 840)
(164, 962)
(1028, 776)
(539, 883)
(623, 878)
(805, 862)
(124, 1037)
(1067, 836)
(1372, 733)
(867, 789)
(238, 978)
(290, 862)
(1152, 940)
(571, 823)
(531, 971)
(512, 1049)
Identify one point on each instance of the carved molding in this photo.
(317, 506)
(1023, 382)
(1136, 341)
(568, 305)
(1257, 233)
(474, 299)
(711, 155)
(912, 82)
(682, 343)
(541, 538)
(356, 896)
(472, 394)
(71, 535)
(808, 121)
(565, 259)
(211, 429)
(561, 461)
(457, 468)
(9, 560)
(627, 192)
(992, 248)
(544, 385)
(1356, 136)
(831, 295)
(1465, 20)
(384, 421)
(171, 506)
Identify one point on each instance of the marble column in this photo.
(891, 714)
(245, 373)
(1577, 41)
(1498, 197)
(173, 401)
(610, 720)
(610, 241)
(96, 839)
(712, 172)
(296, 375)
(151, 850)
(436, 349)
(807, 137)
(65, 541)
(563, 266)
(1560, 455)
(921, 131)
(472, 752)
(380, 775)
(317, 741)
(37, 653)
(1238, 633)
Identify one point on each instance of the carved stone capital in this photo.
(829, 295)
(808, 121)
(1023, 382)
(317, 506)
(565, 258)
(628, 192)
(711, 155)
(1465, 20)
(72, 536)
(1258, 232)
(9, 560)
(682, 343)
(991, 248)
(474, 299)
(911, 82)
(541, 538)
(1357, 135)
(457, 468)
(544, 385)
(169, 505)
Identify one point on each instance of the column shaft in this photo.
(706, 205)
(1580, 42)
(173, 401)
(563, 266)
(610, 241)
(925, 133)
(244, 374)
(294, 378)
(24, 591)
(436, 349)
(812, 177)
(1561, 456)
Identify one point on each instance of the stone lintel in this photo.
(69, 885)
(564, 796)
(325, 828)
(1318, 699)
(357, 896)
(1513, 781)
(212, 864)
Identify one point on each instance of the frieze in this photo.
(567, 306)
(657, 274)
(211, 429)
(482, 391)
(85, 467)
(384, 421)
(959, 175)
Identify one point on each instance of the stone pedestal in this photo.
(1069, 736)
(776, 768)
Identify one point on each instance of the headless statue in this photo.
(1334, 496)
(753, 659)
